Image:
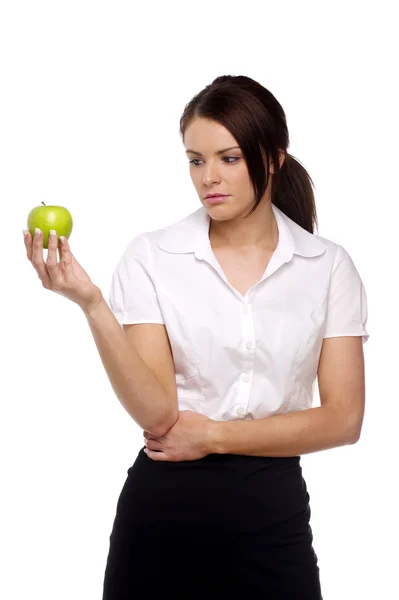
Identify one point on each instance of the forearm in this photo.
(134, 384)
(290, 434)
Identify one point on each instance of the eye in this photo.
(234, 160)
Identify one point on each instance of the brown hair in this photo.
(257, 121)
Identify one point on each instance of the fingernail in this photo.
(52, 233)
(25, 232)
(37, 232)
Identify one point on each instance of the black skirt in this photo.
(222, 526)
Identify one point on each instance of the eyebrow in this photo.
(218, 152)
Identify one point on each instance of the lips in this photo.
(215, 199)
(216, 196)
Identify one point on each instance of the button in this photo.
(245, 310)
(240, 410)
(249, 345)
(245, 377)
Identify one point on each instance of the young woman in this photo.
(227, 318)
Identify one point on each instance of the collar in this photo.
(191, 234)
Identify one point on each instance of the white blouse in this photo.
(241, 357)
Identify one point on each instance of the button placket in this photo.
(248, 358)
(247, 328)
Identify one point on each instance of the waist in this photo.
(230, 461)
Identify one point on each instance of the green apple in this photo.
(50, 217)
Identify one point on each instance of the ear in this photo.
(281, 159)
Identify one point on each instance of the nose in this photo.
(210, 174)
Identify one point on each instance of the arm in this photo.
(149, 402)
(336, 422)
(290, 434)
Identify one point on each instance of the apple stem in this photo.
(43, 203)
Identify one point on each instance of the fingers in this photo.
(51, 262)
(153, 445)
(28, 243)
(34, 250)
(53, 275)
(66, 258)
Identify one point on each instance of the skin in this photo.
(338, 420)
(190, 438)
(211, 173)
(66, 276)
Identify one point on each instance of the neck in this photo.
(259, 231)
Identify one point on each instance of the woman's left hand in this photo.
(188, 439)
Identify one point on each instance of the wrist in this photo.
(215, 439)
(94, 307)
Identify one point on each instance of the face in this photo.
(215, 172)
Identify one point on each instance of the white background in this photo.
(91, 97)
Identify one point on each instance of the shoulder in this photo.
(336, 254)
(332, 257)
(181, 236)
(332, 248)
(302, 242)
(144, 242)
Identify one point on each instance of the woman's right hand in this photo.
(65, 277)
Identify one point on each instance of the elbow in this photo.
(353, 436)
(347, 428)
(162, 427)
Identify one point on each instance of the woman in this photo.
(228, 316)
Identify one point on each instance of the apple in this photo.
(50, 217)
